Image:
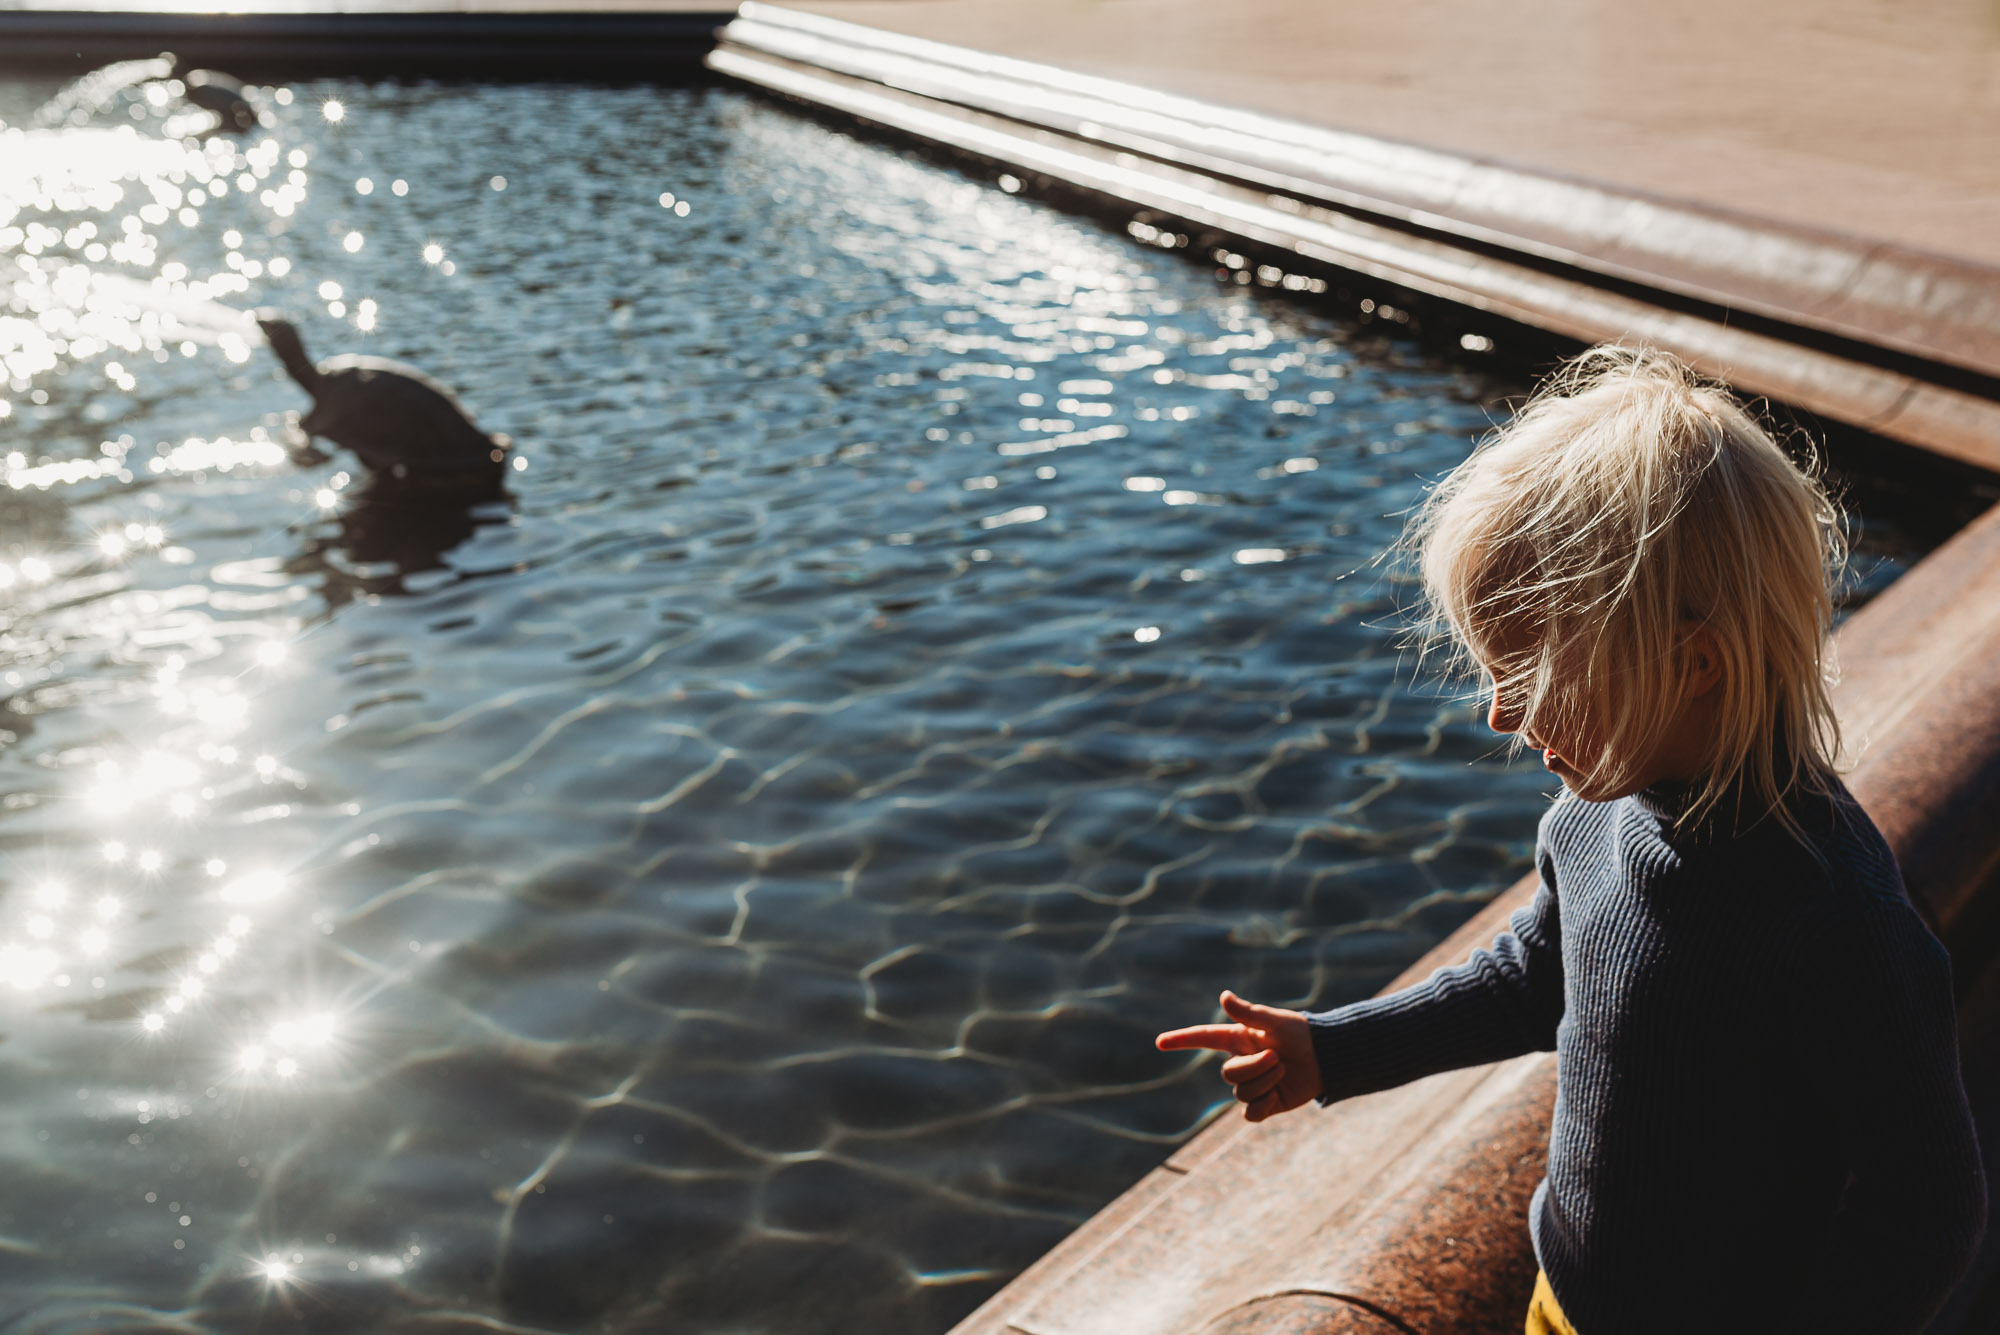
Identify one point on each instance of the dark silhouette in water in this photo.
(215, 91)
(397, 420)
(390, 530)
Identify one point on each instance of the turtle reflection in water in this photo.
(389, 530)
(398, 421)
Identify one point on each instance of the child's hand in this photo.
(1273, 1067)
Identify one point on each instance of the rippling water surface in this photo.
(731, 881)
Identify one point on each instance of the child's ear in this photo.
(1701, 662)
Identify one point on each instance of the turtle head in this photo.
(291, 350)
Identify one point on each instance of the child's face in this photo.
(1564, 744)
(1573, 742)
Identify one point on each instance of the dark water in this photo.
(731, 881)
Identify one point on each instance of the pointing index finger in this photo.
(1219, 1037)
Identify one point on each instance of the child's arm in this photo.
(1504, 1001)
(1872, 1003)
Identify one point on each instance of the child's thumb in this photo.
(1247, 1012)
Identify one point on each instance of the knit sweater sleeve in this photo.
(1878, 1039)
(1504, 1001)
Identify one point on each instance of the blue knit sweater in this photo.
(1759, 1124)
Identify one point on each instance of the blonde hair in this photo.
(1627, 503)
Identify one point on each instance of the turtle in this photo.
(222, 94)
(398, 421)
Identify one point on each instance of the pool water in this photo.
(730, 880)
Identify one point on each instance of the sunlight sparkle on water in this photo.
(254, 888)
(333, 109)
(311, 1031)
(109, 799)
(25, 967)
(221, 454)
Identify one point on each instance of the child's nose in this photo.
(1503, 716)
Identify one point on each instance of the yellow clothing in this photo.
(1544, 1317)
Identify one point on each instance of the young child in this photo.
(1760, 1126)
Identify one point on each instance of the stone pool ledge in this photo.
(1878, 317)
(1405, 1211)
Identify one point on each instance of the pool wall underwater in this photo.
(487, 40)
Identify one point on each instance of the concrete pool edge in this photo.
(1879, 337)
(1404, 1211)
